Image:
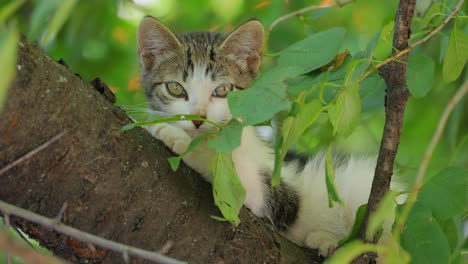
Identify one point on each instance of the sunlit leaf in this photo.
(8, 51)
(228, 192)
(333, 195)
(434, 11)
(456, 56)
(385, 43)
(385, 210)
(305, 53)
(292, 128)
(420, 75)
(344, 115)
(229, 139)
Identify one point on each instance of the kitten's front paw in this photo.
(325, 242)
(173, 137)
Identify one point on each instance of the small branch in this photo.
(417, 43)
(59, 216)
(32, 153)
(427, 158)
(397, 91)
(304, 10)
(9, 209)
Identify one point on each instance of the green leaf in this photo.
(456, 56)
(174, 162)
(292, 128)
(330, 180)
(228, 192)
(446, 193)
(453, 230)
(372, 92)
(314, 51)
(423, 238)
(8, 51)
(354, 233)
(420, 75)
(302, 84)
(264, 98)
(229, 139)
(434, 11)
(385, 43)
(345, 114)
(385, 211)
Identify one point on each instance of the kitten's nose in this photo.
(197, 123)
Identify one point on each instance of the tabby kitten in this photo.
(192, 73)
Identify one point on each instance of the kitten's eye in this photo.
(176, 89)
(222, 90)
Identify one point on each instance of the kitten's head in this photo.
(192, 73)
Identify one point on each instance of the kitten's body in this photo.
(203, 62)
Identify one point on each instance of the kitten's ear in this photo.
(244, 46)
(154, 42)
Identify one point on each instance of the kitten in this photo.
(192, 73)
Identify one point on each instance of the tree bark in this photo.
(118, 185)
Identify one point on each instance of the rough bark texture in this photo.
(117, 184)
(397, 92)
(394, 74)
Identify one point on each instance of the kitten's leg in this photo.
(173, 137)
(178, 140)
(326, 242)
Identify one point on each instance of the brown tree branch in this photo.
(55, 225)
(394, 74)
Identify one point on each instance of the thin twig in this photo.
(32, 153)
(59, 216)
(417, 43)
(304, 10)
(395, 102)
(9, 209)
(427, 158)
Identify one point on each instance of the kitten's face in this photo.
(194, 72)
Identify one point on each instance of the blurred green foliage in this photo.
(98, 39)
